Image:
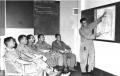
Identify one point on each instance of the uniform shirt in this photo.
(24, 52)
(88, 33)
(62, 46)
(42, 46)
(11, 54)
(33, 49)
(11, 63)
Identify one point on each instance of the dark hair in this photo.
(40, 35)
(57, 35)
(6, 40)
(83, 19)
(21, 37)
(29, 36)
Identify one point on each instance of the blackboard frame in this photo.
(89, 14)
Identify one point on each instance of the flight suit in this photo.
(87, 50)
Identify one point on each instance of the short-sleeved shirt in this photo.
(11, 63)
(43, 46)
(62, 46)
(23, 51)
(11, 54)
(33, 49)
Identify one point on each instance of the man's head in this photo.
(30, 38)
(10, 42)
(83, 21)
(41, 37)
(58, 37)
(22, 39)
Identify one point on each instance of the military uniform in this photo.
(87, 51)
(67, 56)
(53, 58)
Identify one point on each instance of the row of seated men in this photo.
(40, 55)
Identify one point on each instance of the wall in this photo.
(69, 25)
(106, 53)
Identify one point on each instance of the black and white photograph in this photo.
(59, 37)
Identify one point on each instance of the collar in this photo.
(9, 49)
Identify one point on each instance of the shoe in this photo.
(72, 69)
(59, 73)
(54, 73)
(91, 73)
(59, 68)
(84, 73)
(65, 70)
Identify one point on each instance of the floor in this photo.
(97, 72)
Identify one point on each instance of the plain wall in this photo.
(69, 25)
(107, 54)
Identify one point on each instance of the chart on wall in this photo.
(107, 26)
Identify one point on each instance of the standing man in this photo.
(87, 51)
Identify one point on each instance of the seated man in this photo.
(31, 40)
(41, 46)
(30, 44)
(32, 47)
(13, 60)
(25, 54)
(11, 56)
(61, 47)
(23, 50)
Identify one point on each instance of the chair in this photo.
(7, 71)
(15, 73)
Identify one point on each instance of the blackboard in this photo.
(46, 17)
(2, 18)
(90, 15)
(19, 14)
